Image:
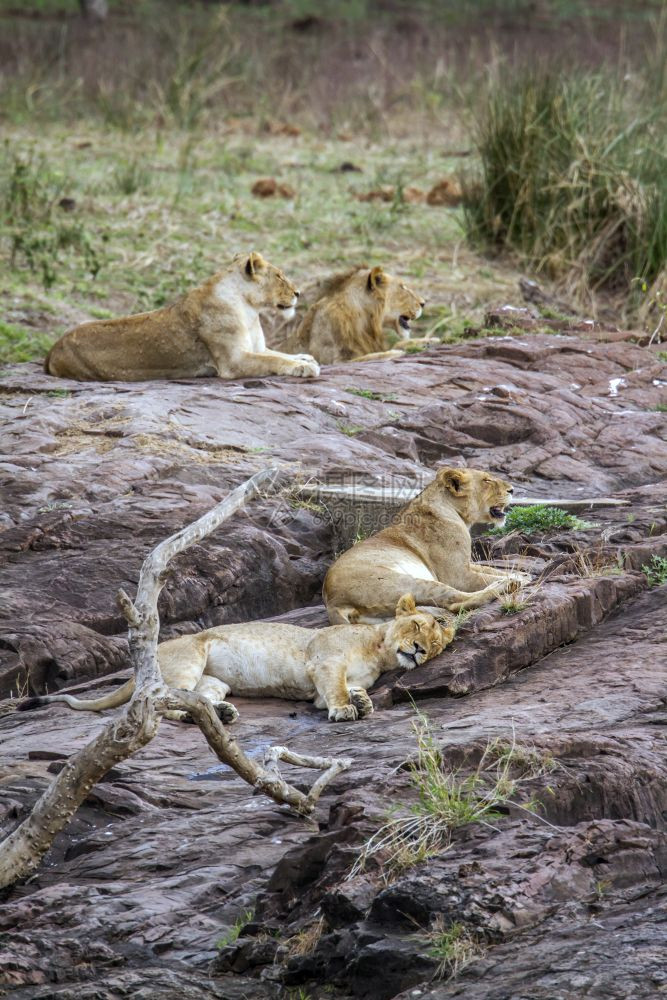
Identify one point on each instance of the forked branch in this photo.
(22, 849)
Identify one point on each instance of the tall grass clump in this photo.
(572, 178)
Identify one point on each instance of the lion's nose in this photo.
(418, 648)
(297, 292)
(423, 303)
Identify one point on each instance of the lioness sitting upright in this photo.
(212, 330)
(350, 309)
(332, 666)
(427, 551)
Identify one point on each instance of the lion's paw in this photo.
(361, 702)
(306, 369)
(343, 713)
(226, 712)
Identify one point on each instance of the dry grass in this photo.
(449, 798)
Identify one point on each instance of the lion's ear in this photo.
(454, 480)
(406, 606)
(253, 264)
(376, 278)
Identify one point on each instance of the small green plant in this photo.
(511, 607)
(539, 518)
(131, 177)
(662, 355)
(349, 429)
(453, 948)
(58, 393)
(656, 571)
(601, 887)
(660, 408)
(381, 397)
(232, 934)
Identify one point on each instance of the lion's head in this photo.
(265, 286)
(401, 305)
(479, 497)
(416, 636)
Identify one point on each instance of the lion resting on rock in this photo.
(331, 666)
(346, 320)
(427, 551)
(212, 330)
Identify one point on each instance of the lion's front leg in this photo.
(361, 701)
(276, 363)
(330, 680)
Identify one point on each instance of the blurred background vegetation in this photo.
(133, 130)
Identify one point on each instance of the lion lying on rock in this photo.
(331, 666)
(212, 330)
(345, 322)
(427, 551)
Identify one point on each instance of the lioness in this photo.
(332, 666)
(212, 330)
(426, 550)
(346, 320)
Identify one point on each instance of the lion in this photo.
(332, 666)
(345, 322)
(426, 550)
(212, 330)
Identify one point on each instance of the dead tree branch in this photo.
(22, 849)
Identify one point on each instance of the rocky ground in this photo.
(144, 893)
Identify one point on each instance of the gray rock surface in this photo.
(170, 850)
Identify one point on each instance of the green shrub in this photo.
(656, 571)
(539, 518)
(31, 218)
(572, 178)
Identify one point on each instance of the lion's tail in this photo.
(118, 697)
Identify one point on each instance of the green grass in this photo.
(511, 607)
(445, 799)
(350, 430)
(453, 948)
(572, 177)
(660, 408)
(656, 571)
(232, 934)
(381, 397)
(538, 519)
(21, 344)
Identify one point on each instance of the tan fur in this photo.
(346, 321)
(426, 550)
(212, 330)
(331, 666)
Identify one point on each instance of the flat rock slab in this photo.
(93, 475)
(171, 849)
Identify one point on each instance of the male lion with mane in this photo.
(212, 330)
(345, 322)
(331, 666)
(426, 550)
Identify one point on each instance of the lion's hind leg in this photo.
(216, 691)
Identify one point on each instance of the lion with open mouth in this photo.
(347, 319)
(426, 551)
